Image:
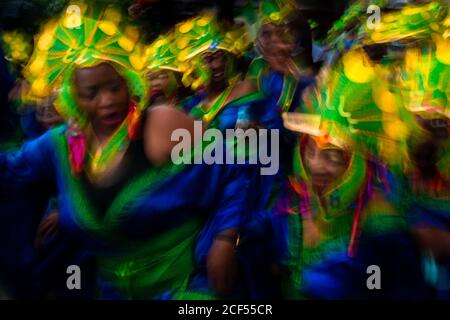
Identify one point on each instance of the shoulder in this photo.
(257, 66)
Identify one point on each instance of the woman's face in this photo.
(162, 83)
(275, 41)
(324, 165)
(103, 94)
(216, 62)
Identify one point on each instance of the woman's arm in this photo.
(31, 165)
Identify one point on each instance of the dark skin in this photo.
(274, 45)
(103, 94)
(279, 48)
(160, 123)
(163, 87)
(217, 65)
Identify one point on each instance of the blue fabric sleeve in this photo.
(230, 211)
(32, 164)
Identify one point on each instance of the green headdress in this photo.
(412, 22)
(342, 106)
(424, 83)
(342, 111)
(163, 53)
(86, 35)
(275, 11)
(204, 34)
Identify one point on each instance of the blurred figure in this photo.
(284, 67)
(332, 220)
(153, 228)
(164, 74)
(413, 67)
(223, 100)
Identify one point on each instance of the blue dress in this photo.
(327, 271)
(158, 229)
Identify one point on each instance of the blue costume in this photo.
(156, 231)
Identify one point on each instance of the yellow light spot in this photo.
(196, 84)
(37, 65)
(411, 10)
(434, 26)
(396, 129)
(202, 22)
(126, 44)
(137, 62)
(384, 99)
(108, 27)
(186, 27)
(45, 41)
(183, 67)
(446, 34)
(357, 67)
(40, 87)
(446, 22)
(182, 43)
(182, 55)
(159, 43)
(442, 49)
(275, 16)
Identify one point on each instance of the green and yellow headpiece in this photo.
(163, 54)
(275, 11)
(204, 34)
(412, 22)
(341, 109)
(17, 46)
(84, 36)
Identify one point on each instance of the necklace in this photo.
(107, 154)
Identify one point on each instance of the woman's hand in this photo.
(222, 266)
(47, 228)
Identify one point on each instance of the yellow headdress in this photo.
(17, 46)
(344, 108)
(275, 11)
(203, 34)
(84, 36)
(425, 82)
(412, 22)
(162, 53)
